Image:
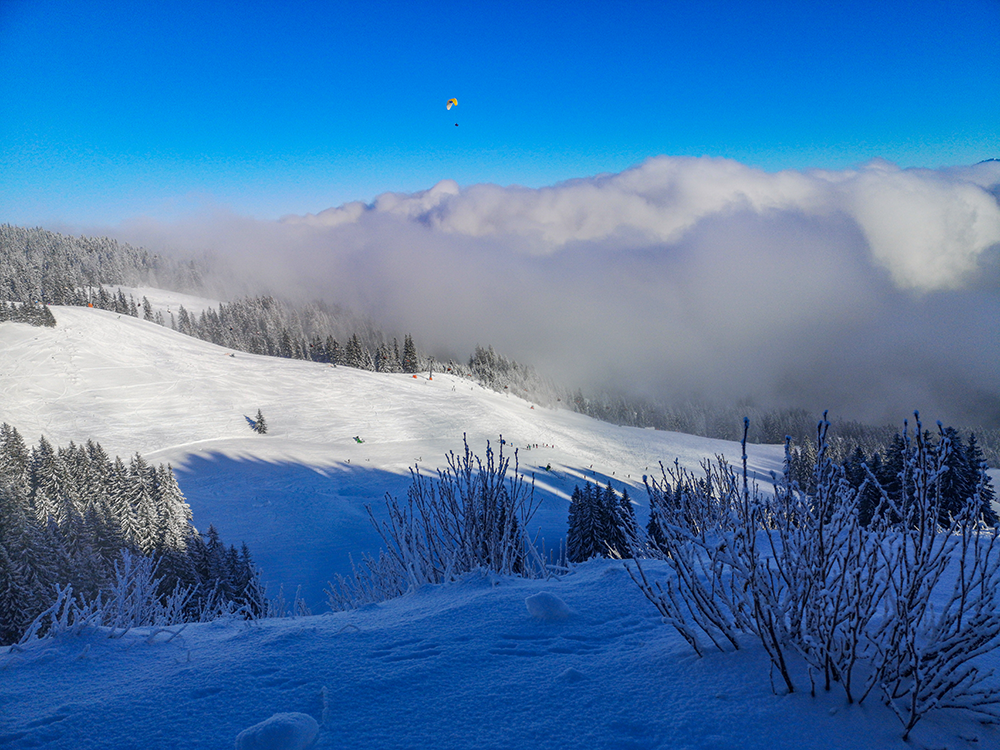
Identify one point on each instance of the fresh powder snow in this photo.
(297, 495)
(582, 660)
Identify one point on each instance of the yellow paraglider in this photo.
(452, 103)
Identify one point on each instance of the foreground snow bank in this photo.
(447, 667)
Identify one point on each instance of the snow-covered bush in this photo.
(373, 580)
(134, 598)
(899, 607)
(279, 606)
(473, 516)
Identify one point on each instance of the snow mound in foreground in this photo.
(546, 606)
(292, 731)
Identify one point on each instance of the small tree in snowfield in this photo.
(260, 425)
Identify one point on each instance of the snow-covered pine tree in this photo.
(38, 563)
(99, 512)
(13, 596)
(285, 346)
(122, 505)
(357, 355)
(954, 484)
(215, 565)
(386, 359)
(383, 360)
(801, 463)
(976, 463)
(52, 486)
(333, 355)
(585, 532)
(14, 456)
(613, 519)
(148, 531)
(316, 351)
(659, 512)
(177, 513)
(367, 362)
(894, 468)
(249, 588)
(625, 517)
(856, 471)
(352, 353)
(410, 362)
(260, 425)
(184, 321)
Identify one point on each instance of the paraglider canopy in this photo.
(452, 103)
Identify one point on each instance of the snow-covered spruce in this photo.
(601, 523)
(32, 314)
(87, 539)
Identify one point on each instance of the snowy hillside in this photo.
(296, 495)
(583, 661)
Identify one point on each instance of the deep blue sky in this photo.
(112, 109)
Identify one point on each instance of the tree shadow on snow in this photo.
(303, 523)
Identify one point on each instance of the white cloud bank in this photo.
(927, 228)
(870, 291)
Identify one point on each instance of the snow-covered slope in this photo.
(463, 665)
(296, 496)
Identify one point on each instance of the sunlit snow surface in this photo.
(577, 662)
(449, 667)
(297, 495)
